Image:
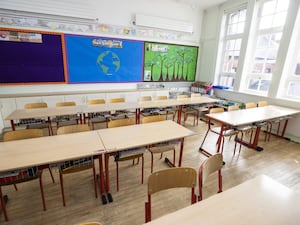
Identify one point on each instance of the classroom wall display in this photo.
(31, 57)
(169, 62)
(98, 59)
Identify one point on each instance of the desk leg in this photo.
(101, 180)
(137, 115)
(181, 152)
(179, 114)
(254, 144)
(13, 127)
(107, 183)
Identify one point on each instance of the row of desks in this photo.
(85, 109)
(52, 149)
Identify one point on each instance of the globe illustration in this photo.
(109, 62)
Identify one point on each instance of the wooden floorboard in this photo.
(279, 160)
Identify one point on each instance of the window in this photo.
(233, 33)
(271, 19)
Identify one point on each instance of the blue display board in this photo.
(99, 59)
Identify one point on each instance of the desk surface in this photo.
(261, 200)
(120, 138)
(43, 112)
(50, 149)
(248, 116)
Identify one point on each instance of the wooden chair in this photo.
(245, 130)
(130, 154)
(211, 165)
(227, 132)
(170, 110)
(188, 111)
(201, 109)
(147, 111)
(25, 134)
(178, 177)
(22, 175)
(96, 118)
(66, 120)
(38, 124)
(119, 114)
(76, 165)
(162, 147)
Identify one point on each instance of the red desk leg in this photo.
(12, 125)
(137, 115)
(181, 152)
(179, 114)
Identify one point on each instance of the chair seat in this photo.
(129, 154)
(226, 132)
(161, 149)
(14, 177)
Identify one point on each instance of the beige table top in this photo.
(248, 116)
(108, 107)
(175, 102)
(259, 201)
(120, 138)
(50, 149)
(43, 112)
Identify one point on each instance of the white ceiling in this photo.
(202, 4)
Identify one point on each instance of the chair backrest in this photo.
(182, 96)
(22, 134)
(145, 98)
(213, 164)
(95, 101)
(216, 110)
(195, 95)
(90, 223)
(60, 104)
(73, 129)
(250, 105)
(161, 97)
(172, 178)
(116, 100)
(262, 103)
(233, 108)
(35, 105)
(121, 122)
(155, 118)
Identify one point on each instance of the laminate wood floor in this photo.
(279, 160)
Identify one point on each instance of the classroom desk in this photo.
(42, 113)
(51, 149)
(260, 200)
(127, 137)
(251, 117)
(175, 102)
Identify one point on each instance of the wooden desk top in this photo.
(259, 201)
(50, 149)
(43, 112)
(249, 116)
(175, 102)
(120, 138)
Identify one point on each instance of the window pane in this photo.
(269, 8)
(279, 19)
(294, 89)
(259, 85)
(265, 22)
(282, 5)
(242, 15)
(297, 69)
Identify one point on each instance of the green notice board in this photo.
(169, 62)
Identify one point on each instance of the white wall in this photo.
(115, 12)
